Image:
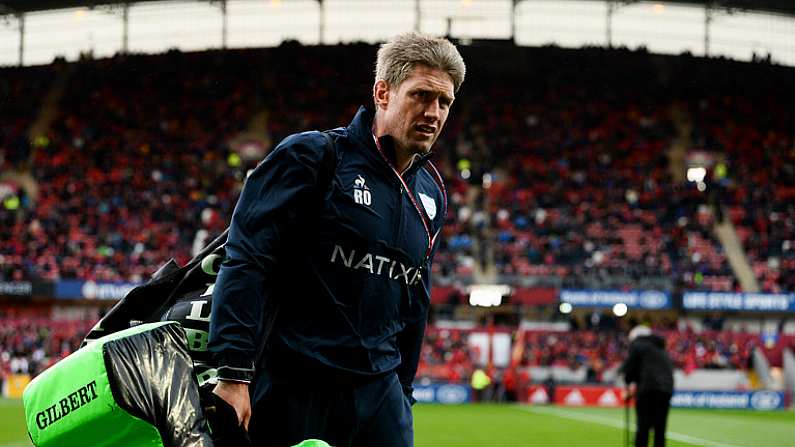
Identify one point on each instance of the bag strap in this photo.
(329, 158)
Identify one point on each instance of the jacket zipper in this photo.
(404, 186)
(399, 226)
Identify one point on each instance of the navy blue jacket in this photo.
(341, 245)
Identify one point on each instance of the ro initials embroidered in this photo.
(361, 192)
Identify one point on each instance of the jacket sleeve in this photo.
(281, 192)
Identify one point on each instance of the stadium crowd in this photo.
(585, 191)
(125, 185)
(754, 175)
(448, 355)
(22, 93)
(598, 351)
(31, 345)
(141, 164)
(567, 181)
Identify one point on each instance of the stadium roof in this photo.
(16, 6)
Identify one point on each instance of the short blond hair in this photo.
(398, 58)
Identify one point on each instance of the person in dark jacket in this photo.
(649, 372)
(319, 309)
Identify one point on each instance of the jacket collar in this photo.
(361, 128)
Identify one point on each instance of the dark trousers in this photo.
(374, 413)
(652, 413)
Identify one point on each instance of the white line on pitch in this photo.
(615, 424)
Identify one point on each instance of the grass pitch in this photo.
(519, 425)
(12, 424)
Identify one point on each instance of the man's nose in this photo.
(433, 110)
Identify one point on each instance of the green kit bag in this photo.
(133, 388)
(313, 443)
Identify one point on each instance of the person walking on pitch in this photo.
(648, 372)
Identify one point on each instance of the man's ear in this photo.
(381, 94)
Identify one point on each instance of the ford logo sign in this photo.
(766, 400)
(452, 394)
(653, 300)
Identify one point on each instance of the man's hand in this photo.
(236, 395)
(630, 391)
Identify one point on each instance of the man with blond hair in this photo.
(319, 309)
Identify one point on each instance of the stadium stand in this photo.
(565, 183)
(446, 355)
(589, 197)
(22, 92)
(580, 191)
(757, 188)
(30, 345)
